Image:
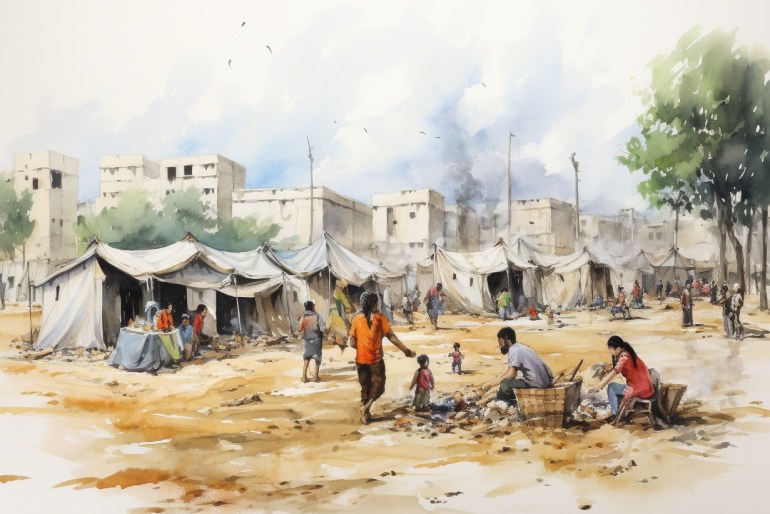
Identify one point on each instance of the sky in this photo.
(391, 95)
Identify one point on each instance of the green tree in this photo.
(15, 223)
(132, 224)
(703, 133)
(240, 234)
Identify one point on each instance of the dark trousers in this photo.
(372, 380)
(507, 386)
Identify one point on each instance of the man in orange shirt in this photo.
(165, 320)
(367, 330)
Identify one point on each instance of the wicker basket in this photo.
(550, 407)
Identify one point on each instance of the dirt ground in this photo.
(238, 431)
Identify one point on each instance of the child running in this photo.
(423, 379)
(457, 359)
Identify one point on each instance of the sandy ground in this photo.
(80, 436)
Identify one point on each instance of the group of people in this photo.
(731, 300)
(525, 368)
(191, 334)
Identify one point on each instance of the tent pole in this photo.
(237, 304)
(286, 302)
(29, 301)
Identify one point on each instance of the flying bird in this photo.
(269, 49)
(229, 62)
(421, 132)
(242, 24)
(483, 84)
(366, 130)
(437, 137)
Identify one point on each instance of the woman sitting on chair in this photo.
(627, 363)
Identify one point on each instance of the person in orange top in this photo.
(165, 320)
(366, 332)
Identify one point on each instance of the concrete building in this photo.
(551, 222)
(406, 224)
(594, 228)
(52, 178)
(215, 176)
(117, 173)
(349, 222)
(462, 229)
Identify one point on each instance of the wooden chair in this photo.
(635, 405)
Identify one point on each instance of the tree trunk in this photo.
(763, 264)
(737, 246)
(722, 241)
(747, 256)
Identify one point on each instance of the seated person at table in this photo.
(165, 320)
(186, 334)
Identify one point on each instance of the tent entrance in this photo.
(227, 314)
(176, 295)
(508, 280)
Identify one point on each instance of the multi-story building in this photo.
(117, 173)
(406, 224)
(462, 229)
(595, 228)
(551, 222)
(348, 221)
(52, 179)
(216, 177)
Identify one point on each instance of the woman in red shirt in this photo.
(624, 362)
(366, 331)
(200, 314)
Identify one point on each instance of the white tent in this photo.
(133, 276)
(581, 276)
(472, 280)
(326, 260)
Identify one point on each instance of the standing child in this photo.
(423, 379)
(457, 359)
(406, 308)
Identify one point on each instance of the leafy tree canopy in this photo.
(15, 223)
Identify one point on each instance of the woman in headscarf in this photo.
(366, 332)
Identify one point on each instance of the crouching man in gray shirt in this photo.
(521, 358)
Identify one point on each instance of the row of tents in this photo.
(472, 280)
(86, 302)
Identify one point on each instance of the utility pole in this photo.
(576, 164)
(310, 156)
(508, 231)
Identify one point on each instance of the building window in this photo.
(390, 219)
(171, 172)
(34, 183)
(470, 282)
(454, 276)
(61, 223)
(412, 215)
(188, 170)
(57, 294)
(659, 235)
(55, 179)
(10, 281)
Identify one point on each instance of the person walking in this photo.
(311, 327)
(367, 330)
(736, 304)
(434, 303)
(686, 301)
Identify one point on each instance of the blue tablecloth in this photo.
(144, 351)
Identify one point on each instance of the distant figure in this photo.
(457, 359)
(387, 308)
(736, 303)
(620, 306)
(434, 303)
(676, 291)
(503, 303)
(637, 298)
(186, 334)
(659, 289)
(406, 308)
(416, 297)
(686, 301)
(727, 316)
(311, 327)
(714, 292)
(668, 288)
(198, 335)
(2, 292)
(422, 383)
(341, 301)
(705, 289)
